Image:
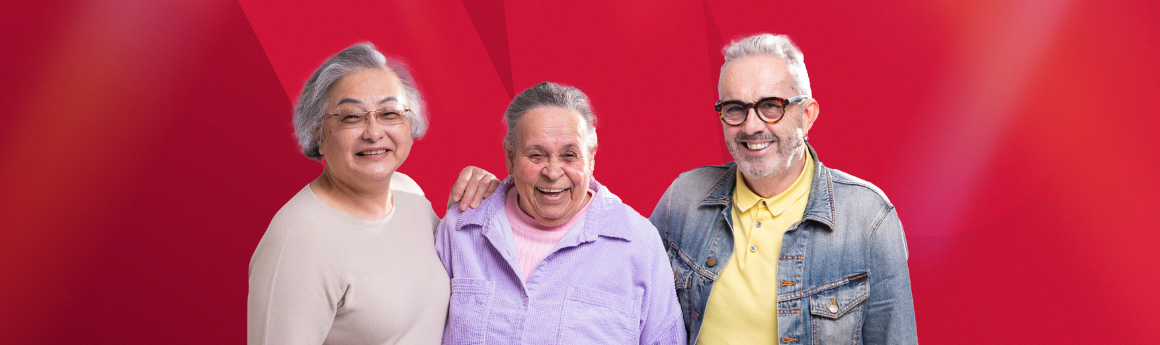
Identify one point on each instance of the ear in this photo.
(510, 160)
(810, 114)
(592, 158)
(319, 137)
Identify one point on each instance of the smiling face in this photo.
(371, 152)
(550, 164)
(764, 150)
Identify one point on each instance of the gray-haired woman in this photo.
(350, 258)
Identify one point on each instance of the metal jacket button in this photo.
(757, 224)
(752, 249)
(711, 262)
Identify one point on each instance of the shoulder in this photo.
(704, 183)
(411, 204)
(300, 230)
(848, 186)
(302, 209)
(413, 210)
(704, 177)
(617, 219)
(404, 183)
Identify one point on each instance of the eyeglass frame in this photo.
(753, 106)
(405, 112)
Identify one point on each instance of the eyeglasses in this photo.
(769, 110)
(354, 118)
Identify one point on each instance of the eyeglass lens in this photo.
(351, 118)
(769, 110)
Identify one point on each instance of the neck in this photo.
(367, 201)
(768, 187)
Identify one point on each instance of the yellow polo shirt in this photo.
(742, 307)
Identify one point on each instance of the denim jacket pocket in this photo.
(469, 311)
(836, 310)
(596, 317)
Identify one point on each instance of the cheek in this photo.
(526, 170)
(330, 143)
(578, 173)
(404, 142)
(730, 132)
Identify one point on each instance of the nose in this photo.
(753, 123)
(373, 130)
(554, 170)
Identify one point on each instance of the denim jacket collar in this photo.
(599, 220)
(819, 206)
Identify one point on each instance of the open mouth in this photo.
(372, 152)
(757, 146)
(552, 192)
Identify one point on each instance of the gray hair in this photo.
(359, 57)
(548, 94)
(779, 46)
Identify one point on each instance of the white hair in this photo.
(776, 45)
(548, 94)
(358, 57)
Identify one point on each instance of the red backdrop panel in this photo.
(147, 144)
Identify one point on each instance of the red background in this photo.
(147, 144)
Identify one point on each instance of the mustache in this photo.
(761, 136)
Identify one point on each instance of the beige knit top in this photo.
(321, 277)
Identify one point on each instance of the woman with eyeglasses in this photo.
(350, 258)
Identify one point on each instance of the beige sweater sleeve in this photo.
(293, 293)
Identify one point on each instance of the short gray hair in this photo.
(548, 94)
(359, 57)
(776, 45)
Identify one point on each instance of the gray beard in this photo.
(759, 167)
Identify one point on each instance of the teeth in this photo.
(755, 147)
(544, 190)
(375, 152)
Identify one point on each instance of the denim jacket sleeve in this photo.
(890, 306)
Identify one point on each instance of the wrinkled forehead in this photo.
(753, 77)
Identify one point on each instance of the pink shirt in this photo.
(533, 241)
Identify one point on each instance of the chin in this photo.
(763, 168)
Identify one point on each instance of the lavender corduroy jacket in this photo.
(608, 281)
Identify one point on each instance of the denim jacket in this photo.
(842, 269)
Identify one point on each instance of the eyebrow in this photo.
(542, 148)
(355, 101)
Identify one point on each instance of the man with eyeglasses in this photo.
(776, 247)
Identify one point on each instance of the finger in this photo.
(492, 185)
(487, 184)
(479, 194)
(470, 192)
(458, 187)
